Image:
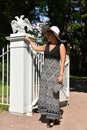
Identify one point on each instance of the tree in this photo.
(8, 10)
(69, 15)
(84, 31)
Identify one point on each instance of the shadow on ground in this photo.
(78, 85)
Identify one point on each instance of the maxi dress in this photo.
(48, 103)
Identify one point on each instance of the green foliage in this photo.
(76, 26)
(4, 107)
(5, 90)
(84, 16)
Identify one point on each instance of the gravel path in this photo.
(74, 116)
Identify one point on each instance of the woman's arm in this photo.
(34, 46)
(62, 60)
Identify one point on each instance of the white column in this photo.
(20, 75)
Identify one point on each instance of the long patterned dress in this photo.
(48, 103)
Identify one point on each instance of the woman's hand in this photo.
(60, 79)
(27, 38)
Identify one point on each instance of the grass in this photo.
(4, 107)
(5, 90)
(78, 77)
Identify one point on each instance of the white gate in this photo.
(4, 76)
(38, 62)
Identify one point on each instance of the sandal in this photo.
(50, 123)
(56, 122)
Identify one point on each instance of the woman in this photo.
(52, 74)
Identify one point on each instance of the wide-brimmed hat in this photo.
(53, 29)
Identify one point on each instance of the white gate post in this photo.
(20, 75)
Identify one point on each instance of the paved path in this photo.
(74, 117)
